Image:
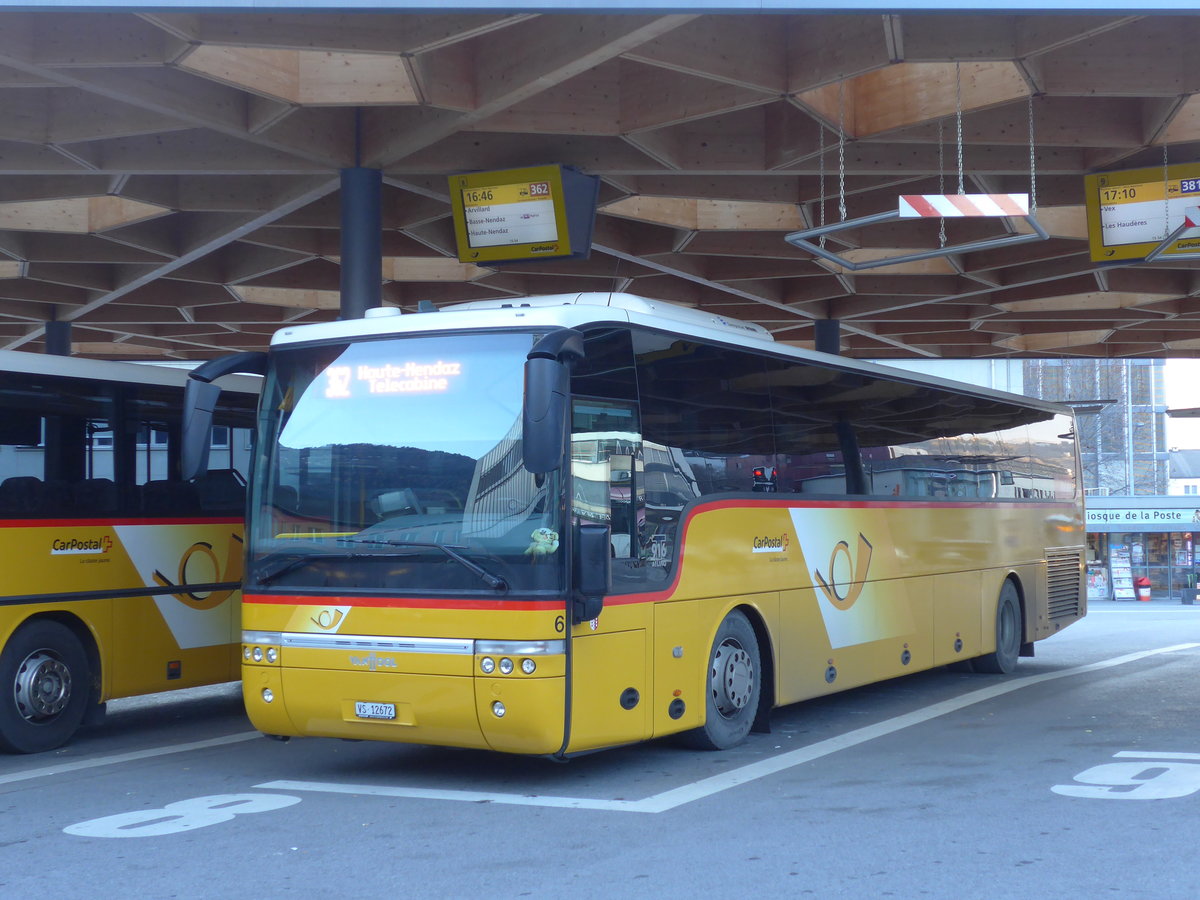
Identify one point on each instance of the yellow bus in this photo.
(556, 524)
(119, 578)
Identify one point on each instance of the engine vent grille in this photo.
(1064, 582)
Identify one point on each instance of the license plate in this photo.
(375, 710)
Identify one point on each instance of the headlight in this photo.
(528, 666)
(245, 653)
(257, 655)
(272, 654)
(506, 666)
(487, 665)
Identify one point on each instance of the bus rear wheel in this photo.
(734, 686)
(1008, 635)
(44, 687)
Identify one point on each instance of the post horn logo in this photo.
(201, 574)
(830, 586)
(328, 619)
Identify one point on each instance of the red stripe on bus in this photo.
(110, 523)
(621, 599)
(402, 602)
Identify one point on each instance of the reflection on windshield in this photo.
(410, 448)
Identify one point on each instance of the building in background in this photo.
(1137, 526)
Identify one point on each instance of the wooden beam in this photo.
(512, 68)
(307, 77)
(907, 93)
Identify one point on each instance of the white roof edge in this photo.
(111, 370)
(583, 308)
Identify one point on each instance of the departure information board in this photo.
(1131, 213)
(512, 215)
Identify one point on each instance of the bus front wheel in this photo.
(734, 685)
(44, 682)
(1008, 635)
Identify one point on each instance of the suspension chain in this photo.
(842, 149)
(958, 123)
(1032, 162)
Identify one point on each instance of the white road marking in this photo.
(1137, 754)
(707, 787)
(379, 790)
(77, 765)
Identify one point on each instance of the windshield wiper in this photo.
(451, 550)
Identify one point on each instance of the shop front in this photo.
(1131, 539)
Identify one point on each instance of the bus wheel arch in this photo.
(1009, 631)
(766, 660)
(46, 683)
(734, 682)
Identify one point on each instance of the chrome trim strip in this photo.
(455, 646)
(521, 648)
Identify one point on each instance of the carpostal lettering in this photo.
(410, 378)
(80, 546)
(771, 544)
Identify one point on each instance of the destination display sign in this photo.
(1131, 213)
(515, 215)
(511, 214)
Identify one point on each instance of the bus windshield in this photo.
(395, 465)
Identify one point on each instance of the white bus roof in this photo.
(579, 310)
(109, 370)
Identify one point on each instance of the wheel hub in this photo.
(43, 686)
(732, 678)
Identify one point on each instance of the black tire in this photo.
(734, 686)
(1008, 635)
(44, 687)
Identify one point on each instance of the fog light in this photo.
(268, 696)
(487, 665)
(272, 654)
(528, 666)
(257, 654)
(506, 666)
(498, 709)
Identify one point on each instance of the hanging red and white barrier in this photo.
(946, 206)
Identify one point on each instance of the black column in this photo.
(828, 334)
(362, 241)
(58, 338)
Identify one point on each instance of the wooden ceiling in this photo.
(168, 182)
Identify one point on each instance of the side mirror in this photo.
(547, 386)
(543, 420)
(593, 570)
(200, 399)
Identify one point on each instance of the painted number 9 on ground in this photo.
(1154, 776)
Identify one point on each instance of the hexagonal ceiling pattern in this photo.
(169, 181)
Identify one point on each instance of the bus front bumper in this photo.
(484, 698)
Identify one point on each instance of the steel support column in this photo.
(58, 338)
(828, 335)
(362, 241)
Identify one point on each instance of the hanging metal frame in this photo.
(802, 240)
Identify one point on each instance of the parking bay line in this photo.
(131, 756)
(707, 787)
